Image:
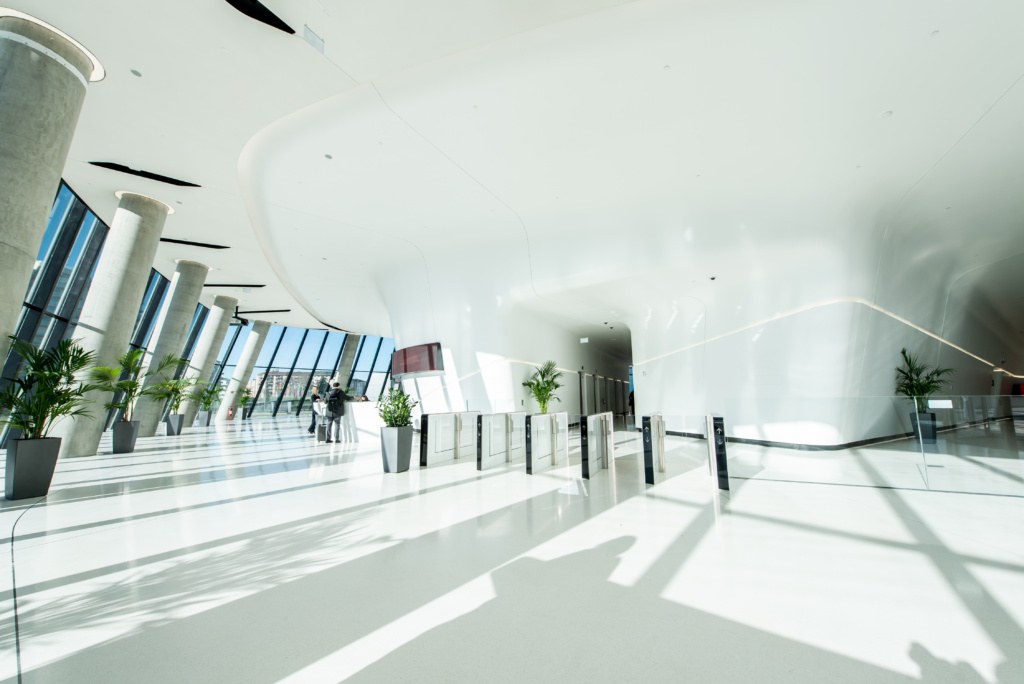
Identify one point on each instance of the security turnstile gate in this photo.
(447, 437)
(501, 438)
(597, 442)
(547, 441)
(718, 465)
(654, 447)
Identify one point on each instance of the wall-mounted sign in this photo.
(421, 360)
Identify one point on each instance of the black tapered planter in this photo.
(924, 427)
(30, 464)
(203, 419)
(125, 434)
(174, 423)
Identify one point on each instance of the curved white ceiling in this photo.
(795, 151)
(590, 159)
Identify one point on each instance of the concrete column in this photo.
(110, 308)
(43, 79)
(243, 371)
(348, 359)
(207, 347)
(169, 335)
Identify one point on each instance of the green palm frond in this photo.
(48, 389)
(543, 384)
(919, 381)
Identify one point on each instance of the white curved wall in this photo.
(510, 197)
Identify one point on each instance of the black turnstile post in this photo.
(423, 440)
(648, 450)
(529, 447)
(584, 449)
(717, 437)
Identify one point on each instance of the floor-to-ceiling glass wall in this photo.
(64, 267)
(324, 370)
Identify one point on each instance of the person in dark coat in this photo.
(334, 409)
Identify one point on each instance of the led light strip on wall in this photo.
(850, 300)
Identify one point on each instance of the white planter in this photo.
(396, 448)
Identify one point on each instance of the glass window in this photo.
(269, 346)
(310, 350)
(67, 273)
(195, 329)
(332, 351)
(59, 214)
(275, 378)
(289, 348)
(383, 364)
(236, 351)
(367, 353)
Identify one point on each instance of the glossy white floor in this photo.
(250, 554)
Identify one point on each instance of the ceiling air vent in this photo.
(258, 11)
(145, 174)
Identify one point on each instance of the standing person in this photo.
(334, 410)
(315, 399)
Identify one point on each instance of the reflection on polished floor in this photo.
(251, 554)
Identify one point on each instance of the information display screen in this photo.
(423, 358)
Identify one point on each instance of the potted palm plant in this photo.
(173, 390)
(207, 396)
(46, 391)
(244, 399)
(543, 383)
(126, 381)
(918, 382)
(395, 409)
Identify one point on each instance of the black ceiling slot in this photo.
(145, 174)
(194, 244)
(258, 11)
(328, 325)
(246, 313)
(229, 285)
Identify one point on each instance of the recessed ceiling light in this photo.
(327, 156)
(887, 114)
(178, 202)
(666, 67)
(712, 277)
(136, 73)
(934, 33)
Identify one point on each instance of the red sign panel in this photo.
(423, 358)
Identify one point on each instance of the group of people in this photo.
(339, 422)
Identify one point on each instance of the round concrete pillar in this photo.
(169, 334)
(243, 371)
(42, 87)
(110, 308)
(207, 347)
